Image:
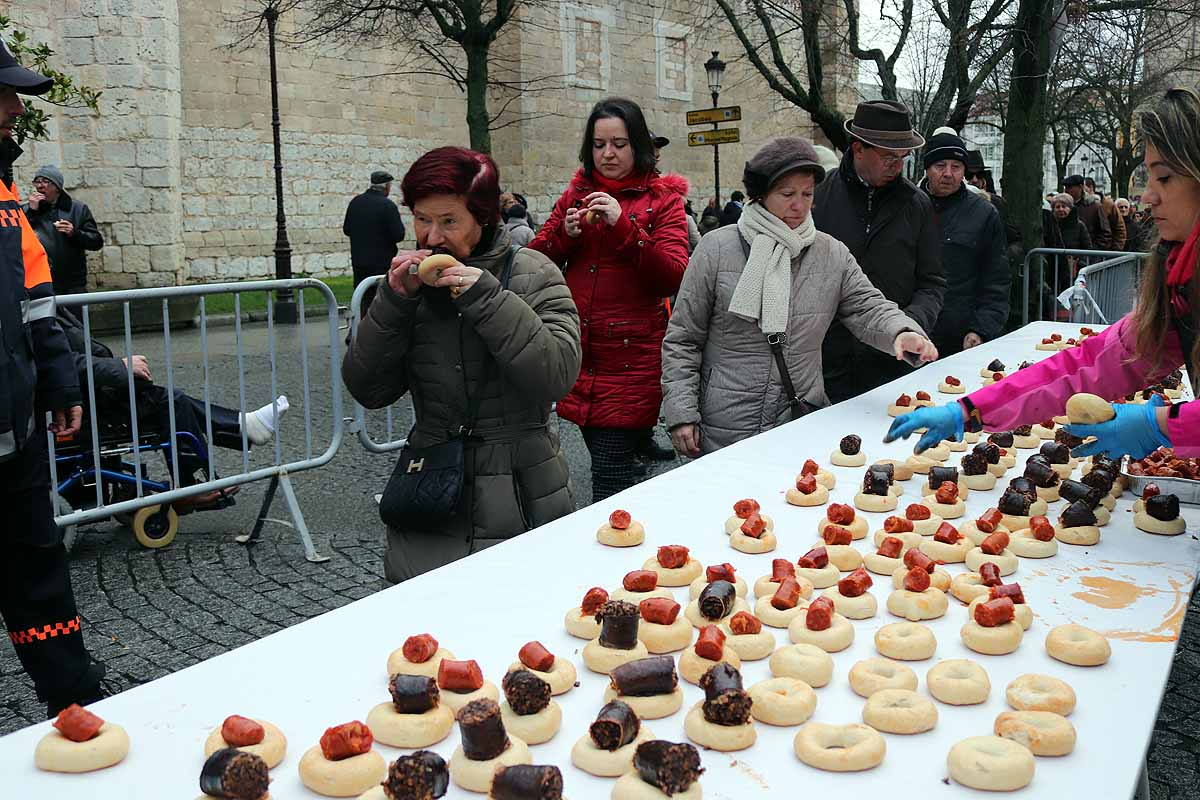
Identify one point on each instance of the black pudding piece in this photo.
(1077, 515)
(1025, 486)
(939, 475)
(482, 730)
(886, 469)
(716, 600)
(1023, 430)
(725, 702)
(1063, 436)
(1002, 439)
(1101, 478)
(1056, 452)
(616, 726)
(875, 482)
(618, 625)
(645, 677)
(413, 694)
(1015, 504)
(670, 766)
(235, 774)
(1038, 470)
(1074, 490)
(527, 782)
(996, 365)
(1163, 507)
(420, 776)
(989, 450)
(525, 692)
(850, 445)
(974, 464)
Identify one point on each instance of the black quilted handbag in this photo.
(427, 486)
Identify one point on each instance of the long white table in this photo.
(1132, 586)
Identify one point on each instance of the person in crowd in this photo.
(1090, 212)
(1116, 223)
(771, 275)
(65, 227)
(733, 209)
(1066, 230)
(1134, 242)
(974, 260)
(375, 229)
(112, 405)
(37, 376)
(979, 176)
(659, 143)
(887, 223)
(620, 235)
(1139, 349)
(465, 343)
(710, 219)
(517, 224)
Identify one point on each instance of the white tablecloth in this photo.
(1133, 586)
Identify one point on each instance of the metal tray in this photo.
(1188, 491)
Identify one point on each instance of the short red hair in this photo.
(457, 171)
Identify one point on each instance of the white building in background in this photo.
(984, 135)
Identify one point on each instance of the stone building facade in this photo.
(177, 166)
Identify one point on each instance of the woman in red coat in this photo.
(620, 236)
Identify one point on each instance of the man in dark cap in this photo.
(374, 226)
(37, 603)
(1108, 208)
(1090, 212)
(65, 227)
(887, 223)
(973, 250)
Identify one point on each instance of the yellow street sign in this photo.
(722, 136)
(709, 115)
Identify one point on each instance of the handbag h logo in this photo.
(415, 466)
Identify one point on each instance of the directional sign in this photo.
(723, 136)
(725, 114)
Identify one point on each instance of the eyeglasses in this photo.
(892, 159)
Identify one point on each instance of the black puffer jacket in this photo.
(891, 233)
(68, 254)
(976, 267)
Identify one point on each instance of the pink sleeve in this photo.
(1104, 364)
(1184, 431)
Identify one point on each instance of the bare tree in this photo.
(420, 31)
(770, 31)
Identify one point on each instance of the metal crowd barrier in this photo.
(1079, 286)
(110, 460)
(359, 425)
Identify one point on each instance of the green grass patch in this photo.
(342, 286)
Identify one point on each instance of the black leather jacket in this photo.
(68, 254)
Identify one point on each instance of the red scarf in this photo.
(611, 187)
(1181, 261)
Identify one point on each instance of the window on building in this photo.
(586, 59)
(673, 62)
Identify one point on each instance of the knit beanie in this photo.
(50, 173)
(945, 144)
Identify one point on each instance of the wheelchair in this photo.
(153, 526)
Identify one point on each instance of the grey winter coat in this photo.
(517, 478)
(718, 369)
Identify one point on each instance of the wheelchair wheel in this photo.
(155, 526)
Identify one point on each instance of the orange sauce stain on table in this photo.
(1111, 593)
(749, 772)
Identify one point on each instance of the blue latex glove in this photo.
(1133, 432)
(943, 422)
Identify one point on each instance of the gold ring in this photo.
(460, 280)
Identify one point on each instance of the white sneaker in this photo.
(260, 423)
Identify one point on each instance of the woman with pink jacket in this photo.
(1140, 349)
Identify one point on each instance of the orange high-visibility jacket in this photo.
(37, 372)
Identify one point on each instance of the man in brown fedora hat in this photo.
(888, 226)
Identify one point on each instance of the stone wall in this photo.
(177, 166)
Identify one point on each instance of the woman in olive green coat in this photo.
(517, 349)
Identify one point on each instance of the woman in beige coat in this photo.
(771, 275)
(516, 349)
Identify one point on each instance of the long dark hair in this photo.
(1171, 127)
(635, 124)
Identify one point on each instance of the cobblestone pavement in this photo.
(152, 612)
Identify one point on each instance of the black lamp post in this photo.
(715, 68)
(285, 301)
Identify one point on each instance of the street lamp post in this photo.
(715, 68)
(285, 301)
